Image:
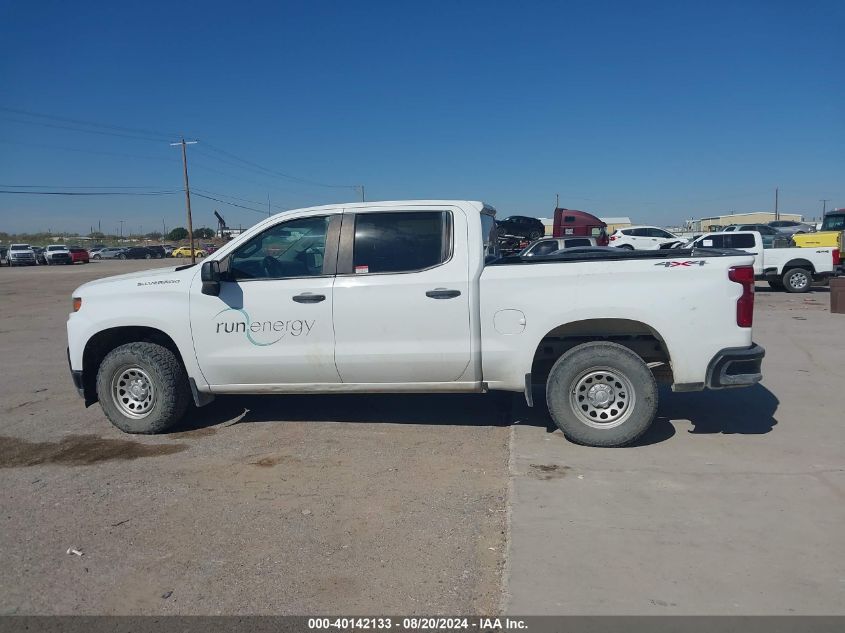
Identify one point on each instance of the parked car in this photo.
(56, 254)
(549, 245)
(791, 227)
(571, 223)
(168, 249)
(157, 251)
(109, 252)
(413, 302)
(136, 252)
(185, 251)
(39, 255)
(209, 248)
(93, 252)
(522, 226)
(20, 255)
(791, 269)
(771, 237)
(643, 238)
(79, 255)
(4, 256)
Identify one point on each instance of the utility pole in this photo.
(824, 202)
(361, 187)
(777, 213)
(269, 212)
(557, 201)
(163, 229)
(184, 145)
(121, 229)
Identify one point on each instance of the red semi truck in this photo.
(568, 222)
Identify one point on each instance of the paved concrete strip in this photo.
(733, 504)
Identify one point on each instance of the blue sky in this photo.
(658, 111)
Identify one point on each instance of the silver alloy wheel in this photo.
(602, 398)
(798, 280)
(133, 392)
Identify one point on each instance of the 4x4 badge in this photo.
(686, 262)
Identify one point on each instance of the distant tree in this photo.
(155, 235)
(179, 233)
(204, 233)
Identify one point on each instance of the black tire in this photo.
(171, 394)
(121, 256)
(602, 366)
(626, 247)
(148, 256)
(797, 280)
(775, 283)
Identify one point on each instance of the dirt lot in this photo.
(733, 503)
(332, 504)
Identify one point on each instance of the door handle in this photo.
(443, 293)
(307, 297)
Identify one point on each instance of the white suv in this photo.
(643, 238)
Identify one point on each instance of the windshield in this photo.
(834, 222)
(19, 247)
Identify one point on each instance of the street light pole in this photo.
(183, 143)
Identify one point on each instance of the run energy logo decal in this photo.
(685, 264)
(259, 333)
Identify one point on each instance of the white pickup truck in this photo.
(790, 269)
(413, 297)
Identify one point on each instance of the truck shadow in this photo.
(744, 411)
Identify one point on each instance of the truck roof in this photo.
(394, 205)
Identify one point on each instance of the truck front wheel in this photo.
(142, 388)
(601, 394)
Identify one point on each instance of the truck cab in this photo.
(572, 223)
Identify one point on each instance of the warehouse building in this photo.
(753, 217)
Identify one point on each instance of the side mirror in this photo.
(210, 276)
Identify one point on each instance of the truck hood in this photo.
(157, 276)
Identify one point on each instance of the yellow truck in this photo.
(832, 233)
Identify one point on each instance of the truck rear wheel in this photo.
(797, 280)
(142, 388)
(601, 394)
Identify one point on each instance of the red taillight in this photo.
(612, 237)
(836, 257)
(745, 304)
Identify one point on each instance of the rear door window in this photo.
(401, 242)
(739, 240)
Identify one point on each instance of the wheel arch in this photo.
(798, 262)
(103, 342)
(638, 336)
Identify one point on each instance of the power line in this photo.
(119, 128)
(91, 193)
(216, 193)
(82, 187)
(79, 129)
(275, 172)
(232, 204)
(86, 151)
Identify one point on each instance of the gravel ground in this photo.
(317, 504)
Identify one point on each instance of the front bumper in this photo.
(736, 367)
(76, 376)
